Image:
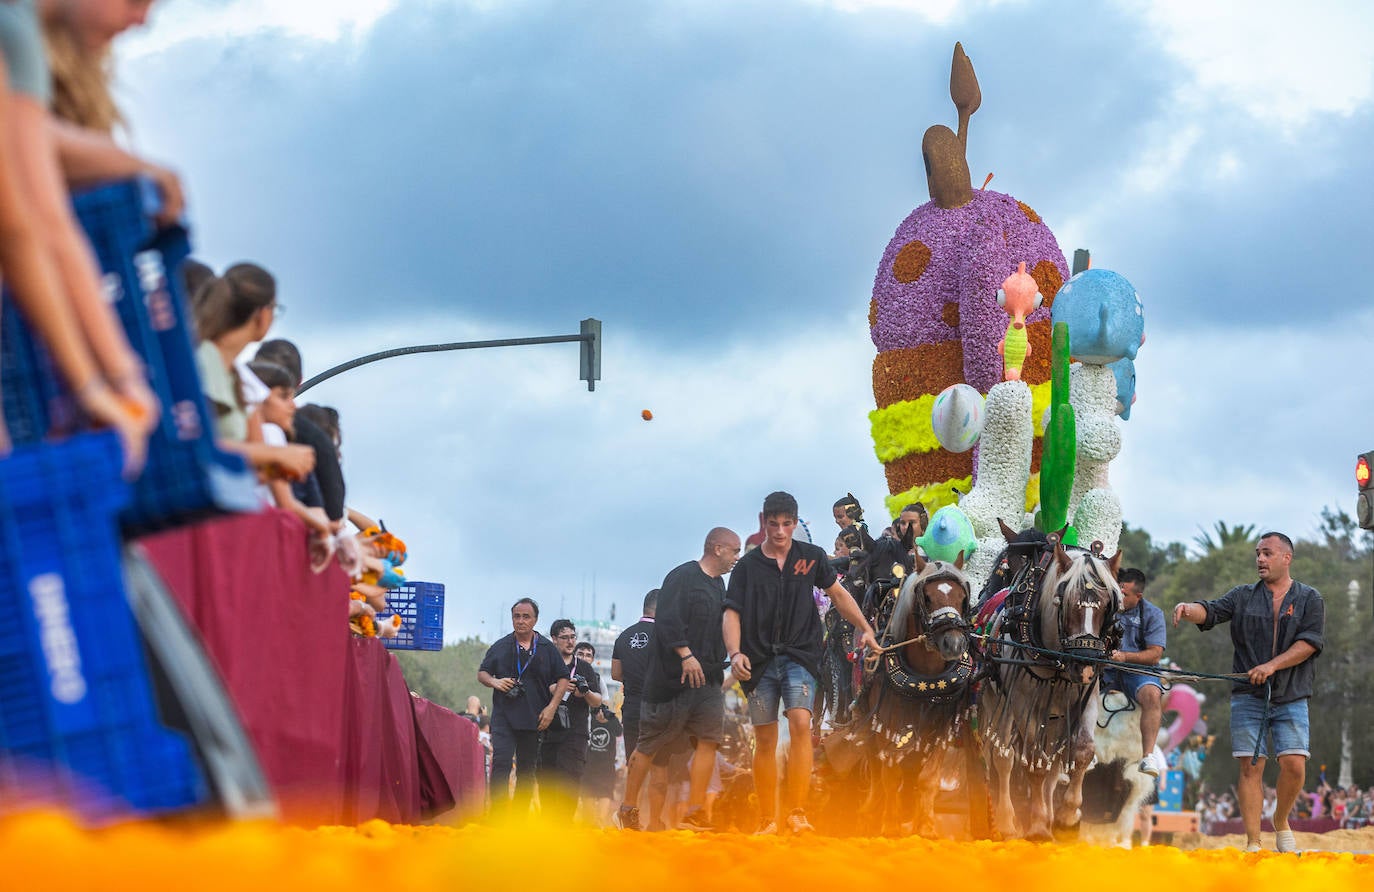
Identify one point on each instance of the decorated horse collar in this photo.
(949, 685)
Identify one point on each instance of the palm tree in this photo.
(1225, 536)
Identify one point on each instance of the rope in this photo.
(1159, 672)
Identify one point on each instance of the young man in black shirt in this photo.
(528, 680)
(684, 706)
(563, 750)
(1277, 627)
(772, 632)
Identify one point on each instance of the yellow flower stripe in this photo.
(934, 497)
(904, 428)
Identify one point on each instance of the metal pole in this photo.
(440, 348)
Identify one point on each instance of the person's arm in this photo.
(593, 695)
(849, 609)
(1147, 657)
(359, 519)
(88, 157)
(740, 666)
(491, 681)
(1207, 614)
(729, 630)
(294, 460)
(1296, 654)
(313, 518)
(617, 670)
(670, 627)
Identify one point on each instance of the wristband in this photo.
(687, 657)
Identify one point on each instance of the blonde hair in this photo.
(80, 81)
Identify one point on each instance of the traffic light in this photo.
(1364, 505)
(591, 352)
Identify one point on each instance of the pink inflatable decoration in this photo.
(1186, 704)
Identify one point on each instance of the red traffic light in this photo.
(1362, 471)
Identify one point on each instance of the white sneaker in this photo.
(1285, 842)
(1252, 848)
(768, 828)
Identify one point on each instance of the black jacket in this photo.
(1250, 611)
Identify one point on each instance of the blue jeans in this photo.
(1128, 683)
(783, 680)
(1288, 727)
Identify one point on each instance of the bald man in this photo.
(684, 706)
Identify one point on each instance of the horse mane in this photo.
(1085, 566)
(906, 599)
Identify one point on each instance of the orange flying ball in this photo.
(647, 415)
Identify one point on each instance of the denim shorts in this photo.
(1288, 727)
(1128, 683)
(783, 680)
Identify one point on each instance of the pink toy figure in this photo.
(1020, 297)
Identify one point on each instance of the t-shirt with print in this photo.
(778, 614)
(632, 650)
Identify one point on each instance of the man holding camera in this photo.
(529, 680)
(563, 750)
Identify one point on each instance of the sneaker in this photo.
(695, 820)
(797, 823)
(1252, 848)
(1284, 841)
(1148, 766)
(767, 828)
(627, 818)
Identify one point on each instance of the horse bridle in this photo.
(943, 619)
(1088, 644)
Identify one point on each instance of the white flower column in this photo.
(1094, 507)
(1004, 460)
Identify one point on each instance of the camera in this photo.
(581, 684)
(517, 690)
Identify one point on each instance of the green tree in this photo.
(449, 676)
(1238, 534)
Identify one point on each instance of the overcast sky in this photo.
(716, 180)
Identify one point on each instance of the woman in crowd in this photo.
(233, 311)
(45, 257)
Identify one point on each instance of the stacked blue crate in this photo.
(420, 605)
(1171, 791)
(78, 722)
(187, 477)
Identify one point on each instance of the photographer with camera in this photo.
(529, 680)
(563, 750)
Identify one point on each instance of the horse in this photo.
(1113, 789)
(917, 696)
(1036, 711)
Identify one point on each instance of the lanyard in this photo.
(520, 670)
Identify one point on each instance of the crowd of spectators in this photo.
(58, 133)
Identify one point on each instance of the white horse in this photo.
(1114, 789)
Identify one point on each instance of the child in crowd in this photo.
(278, 412)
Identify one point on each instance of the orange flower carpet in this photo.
(46, 851)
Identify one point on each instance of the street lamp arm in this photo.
(438, 348)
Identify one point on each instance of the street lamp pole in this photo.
(589, 337)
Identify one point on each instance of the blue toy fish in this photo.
(1105, 316)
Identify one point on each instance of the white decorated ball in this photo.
(957, 417)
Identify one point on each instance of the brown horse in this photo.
(917, 695)
(1037, 712)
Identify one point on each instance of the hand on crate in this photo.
(104, 407)
(169, 189)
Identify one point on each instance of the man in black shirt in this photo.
(1277, 627)
(684, 705)
(563, 749)
(630, 663)
(772, 632)
(528, 680)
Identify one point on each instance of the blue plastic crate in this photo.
(420, 605)
(187, 477)
(1171, 791)
(78, 722)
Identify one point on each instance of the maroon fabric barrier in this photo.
(452, 765)
(276, 633)
(1310, 825)
(381, 772)
(330, 715)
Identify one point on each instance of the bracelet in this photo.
(732, 656)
